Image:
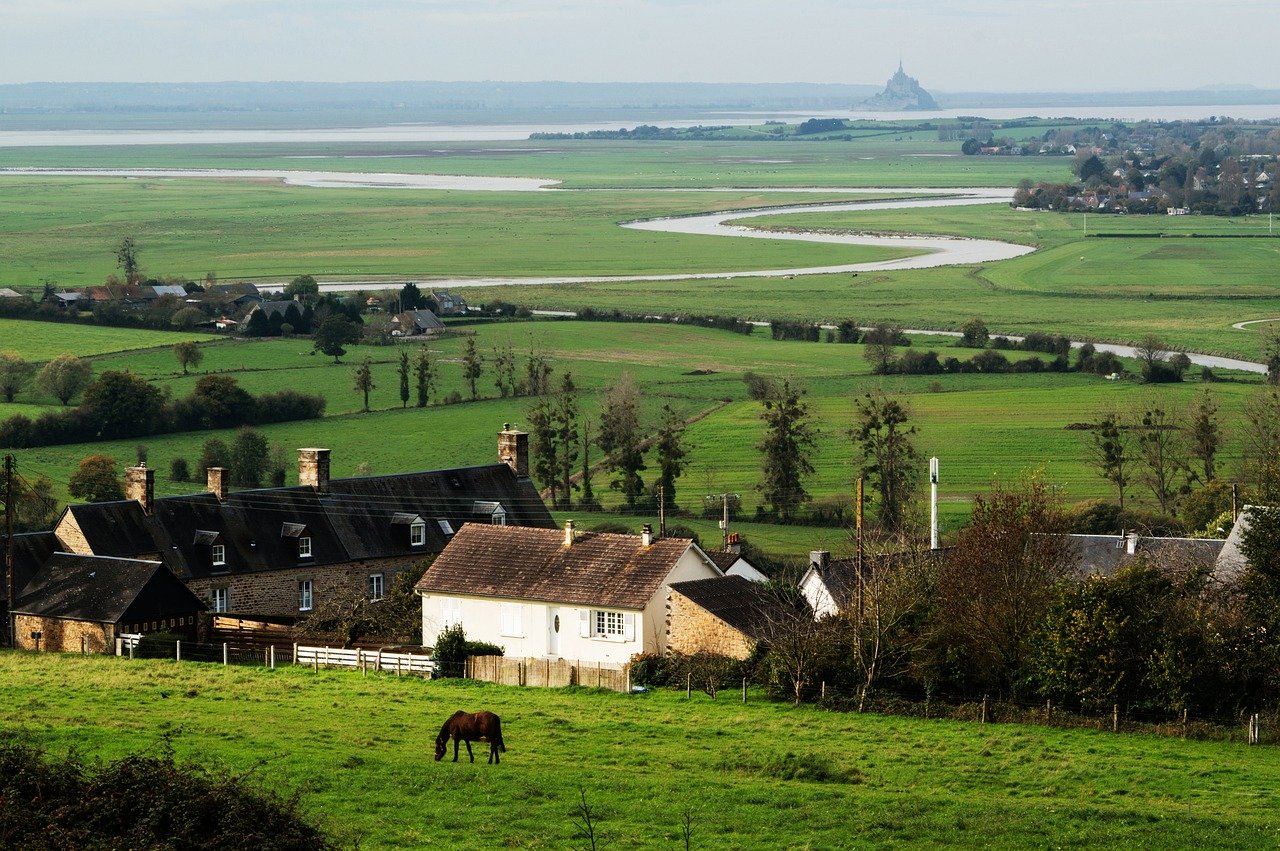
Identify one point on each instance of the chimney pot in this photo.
(313, 468)
(820, 559)
(568, 534)
(218, 482)
(646, 535)
(513, 450)
(140, 484)
(1131, 543)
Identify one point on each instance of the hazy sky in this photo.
(992, 45)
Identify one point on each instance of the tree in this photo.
(879, 348)
(1205, 434)
(1090, 167)
(34, 507)
(214, 453)
(671, 453)
(621, 439)
(789, 437)
(403, 371)
(888, 455)
(471, 365)
(504, 370)
(425, 373)
(799, 647)
(537, 374)
(566, 427)
(1161, 449)
(333, 335)
(998, 579)
(588, 495)
(64, 377)
(394, 618)
(1152, 351)
(974, 334)
(364, 380)
(1260, 583)
(188, 354)
(14, 374)
(219, 401)
(970, 147)
(248, 457)
(1271, 354)
(1110, 452)
(303, 288)
(1260, 439)
(97, 479)
(127, 259)
(122, 405)
(179, 470)
(410, 297)
(544, 448)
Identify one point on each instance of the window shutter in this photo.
(584, 623)
(629, 626)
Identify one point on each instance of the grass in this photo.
(42, 341)
(760, 775)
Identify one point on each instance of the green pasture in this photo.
(42, 341)
(983, 427)
(762, 775)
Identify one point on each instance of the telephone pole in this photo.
(10, 474)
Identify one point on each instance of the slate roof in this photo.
(30, 551)
(1104, 555)
(1231, 561)
(270, 308)
(105, 590)
(417, 321)
(515, 563)
(737, 601)
(840, 576)
(722, 559)
(353, 519)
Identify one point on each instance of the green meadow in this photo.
(358, 749)
(42, 341)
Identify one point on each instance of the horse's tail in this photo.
(502, 746)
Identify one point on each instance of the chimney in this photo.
(646, 535)
(1131, 543)
(568, 534)
(218, 481)
(140, 484)
(313, 468)
(513, 450)
(820, 559)
(733, 543)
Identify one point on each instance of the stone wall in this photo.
(691, 628)
(275, 592)
(59, 635)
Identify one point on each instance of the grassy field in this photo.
(42, 341)
(981, 426)
(763, 775)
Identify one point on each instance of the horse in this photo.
(471, 727)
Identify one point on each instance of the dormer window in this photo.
(496, 514)
(298, 532)
(304, 547)
(219, 554)
(445, 526)
(417, 534)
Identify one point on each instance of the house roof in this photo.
(105, 590)
(1231, 561)
(166, 289)
(118, 528)
(840, 576)
(271, 308)
(5, 292)
(723, 559)
(30, 551)
(507, 562)
(1104, 555)
(421, 320)
(737, 601)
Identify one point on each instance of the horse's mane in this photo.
(444, 728)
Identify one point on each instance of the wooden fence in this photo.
(548, 673)
(365, 660)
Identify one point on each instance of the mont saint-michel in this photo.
(901, 94)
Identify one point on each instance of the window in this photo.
(445, 526)
(499, 517)
(512, 617)
(219, 554)
(222, 599)
(304, 595)
(418, 534)
(609, 624)
(450, 613)
(376, 586)
(304, 548)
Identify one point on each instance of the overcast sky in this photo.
(989, 45)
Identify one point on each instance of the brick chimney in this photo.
(140, 484)
(218, 482)
(513, 450)
(313, 468)
(569, 534)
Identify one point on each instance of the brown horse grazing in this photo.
(471, 727)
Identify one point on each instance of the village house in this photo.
(447, 303)
(727, 615)
(559, 594)
(1105, 555)
(731, 562)
(277, 552)
(412, 323)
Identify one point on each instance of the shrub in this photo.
(652, 670)
(179, 471)
(450, 652)
(484, 648)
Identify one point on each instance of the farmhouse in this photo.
(594, 597)
(412, 323)
(1105, 555)
(731, 562)
(728, 615)
(79, 602)
(278, 551)
(447, 303)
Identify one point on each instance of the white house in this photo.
(588, 596)
(731, 563)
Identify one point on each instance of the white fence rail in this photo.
(367, 660)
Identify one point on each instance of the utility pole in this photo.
(10, 474)
(724, 522)
(933, 503)
(662, 511)
(858, 521)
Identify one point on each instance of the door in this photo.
(553, 631)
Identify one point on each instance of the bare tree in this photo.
(1260, 439)
(1162, 449)
(799, 647)
(1111, 452)
(1206, 435)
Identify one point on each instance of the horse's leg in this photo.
(493, 753)
(455, 748)
(469, 753)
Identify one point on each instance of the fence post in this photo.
(315, 660)
(119, 646)
(272, 657)
(224, 653)
(1115, 718)
(744, 689)
(82, 645)
(377, 662)
(364, 662)
(1184, 722)
(688, 686)
(1048, 711)
(295, 654)
(984, 709)
(131, 646)
(177, 650)
(823, 692)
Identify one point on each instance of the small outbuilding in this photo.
(728, 615)
(79, 602)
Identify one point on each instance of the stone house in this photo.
(412, 323)
(588, 596)
(79, 602)
(728, 615)
(278, 552)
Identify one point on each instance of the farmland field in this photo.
(41, 341)
(760, 775)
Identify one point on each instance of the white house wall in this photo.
(815, 591)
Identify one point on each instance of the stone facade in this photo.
(275, 592)
(691, 628)
(71, 537)
(59, 635)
